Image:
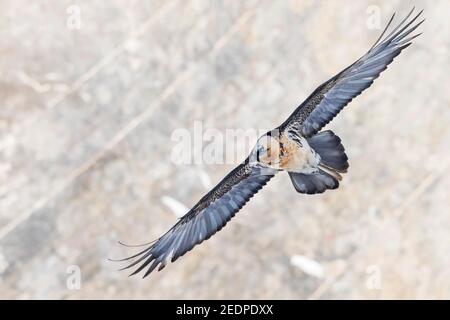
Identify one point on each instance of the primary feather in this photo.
(333, 95)
(219, 205)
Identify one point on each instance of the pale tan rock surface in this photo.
(86, 121)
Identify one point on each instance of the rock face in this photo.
(93, 94)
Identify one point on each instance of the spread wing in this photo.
(332, 96)
(207, 217)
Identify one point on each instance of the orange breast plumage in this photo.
(297, 157)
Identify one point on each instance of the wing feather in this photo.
(332, 96)
(207, 217)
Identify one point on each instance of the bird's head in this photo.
(267, 151)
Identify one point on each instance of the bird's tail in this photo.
(333, 161)
(331, 152)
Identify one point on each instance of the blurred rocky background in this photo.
(92, 91)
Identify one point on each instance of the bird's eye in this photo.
(260, 152)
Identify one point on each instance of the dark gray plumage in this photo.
(331, 151)
(333, 157)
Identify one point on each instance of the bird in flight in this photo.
(315, 160)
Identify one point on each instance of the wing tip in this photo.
(400, 31)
